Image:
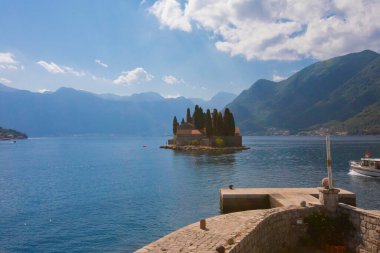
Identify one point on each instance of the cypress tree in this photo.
(175, 125)
(219, 125)
(232, 125)
(214, 121)
(229, 123)
(201, 118)
(188, 116)
(197, 118)
(226, 122)
(208, 120)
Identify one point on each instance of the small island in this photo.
(10, 134)
(206, 131)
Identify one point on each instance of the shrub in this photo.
(219, 142)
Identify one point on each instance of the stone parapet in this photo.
(367, 229)
(260, 231)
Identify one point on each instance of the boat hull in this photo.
(372, 172)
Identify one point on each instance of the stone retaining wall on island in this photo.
(367, 229)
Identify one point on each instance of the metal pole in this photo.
(329, 171)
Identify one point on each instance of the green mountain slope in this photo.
(336, 89)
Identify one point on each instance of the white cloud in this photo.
(278, 29)
(133, 76)
(173, 96)
(57, 69)
(73, 72)
(101, 63)
(43, 90)
(171, 15)
(7, 58)
(169, 79)
(8, 61)
(5, 80)
(278, 78)
(51, 67)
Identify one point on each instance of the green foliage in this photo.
(219, 142)
(194, 142)
(322, 229)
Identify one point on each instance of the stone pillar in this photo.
(329, 199)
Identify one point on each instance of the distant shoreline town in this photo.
(10, 134)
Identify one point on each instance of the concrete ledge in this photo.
(241, 199)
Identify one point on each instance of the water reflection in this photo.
(199, 158)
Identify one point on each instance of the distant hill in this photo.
(340, 93)
(68, 111)
(219, 101)
(10, 134)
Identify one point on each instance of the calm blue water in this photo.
(110, 194)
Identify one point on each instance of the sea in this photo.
(119, 193)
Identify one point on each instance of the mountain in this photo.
(68, 111)
(219, 101)
(334, 92)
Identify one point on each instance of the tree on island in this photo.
(208, 122)
(188, 116)
(228, 123)
(175, 125)
(212, 124)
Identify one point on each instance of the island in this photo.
(10, 134)
(206, 131)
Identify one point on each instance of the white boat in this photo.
(366, 166)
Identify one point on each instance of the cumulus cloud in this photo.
(278, 29)
(171, 15)
(278, 78)
(5, 80)
(8, 61)
(101, 63)
(133, 76)
(57, 69)
(169, 79)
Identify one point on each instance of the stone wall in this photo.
(255, 231)
(230, 141)
(279, 232)
(367, 229)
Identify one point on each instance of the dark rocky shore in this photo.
(203, 148)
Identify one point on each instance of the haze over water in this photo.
(111, 194)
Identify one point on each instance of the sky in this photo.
(193, 48)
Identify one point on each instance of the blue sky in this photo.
(191, 48)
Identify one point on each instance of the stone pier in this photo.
(275, 225)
